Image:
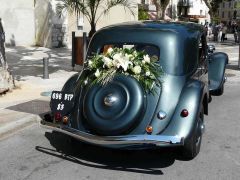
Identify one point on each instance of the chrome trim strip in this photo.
(158, 140)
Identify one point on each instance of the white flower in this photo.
(129, 56)
(146, 58)
(110, 50)
(137, 69)
(107, 62)
(135, 53)
(97, 73)
(148, 73)
(90, 63)
(119, 60)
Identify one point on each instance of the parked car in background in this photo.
(144, 85)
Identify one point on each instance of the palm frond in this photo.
(125, 3)
(112, 3)
(72, 6)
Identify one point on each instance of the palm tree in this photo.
(161, 6)
(6, 79)
(93, 10)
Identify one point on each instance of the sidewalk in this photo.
(232, 49)
(29, 100)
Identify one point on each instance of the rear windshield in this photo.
(151, 50)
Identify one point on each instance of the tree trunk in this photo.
(93, 30)
(158, 9)
(6, 79)
(164, 7)
(163, 12)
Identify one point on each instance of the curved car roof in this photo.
(178, 41)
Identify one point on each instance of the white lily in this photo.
(90, 63)
(119, 60)
(107, 62)
(110, 50)
(146, 58)
(97, 73)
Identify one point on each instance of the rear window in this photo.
(151, 50)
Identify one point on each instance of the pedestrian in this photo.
(235, 32)
(219, 32)
(224, 32)
(215, 32)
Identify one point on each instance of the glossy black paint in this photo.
(178, 42)
(184, 59)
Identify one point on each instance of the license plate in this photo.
(62, 102)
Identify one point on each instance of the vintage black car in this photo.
(121, 113)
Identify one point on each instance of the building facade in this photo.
(229, 11)
(186, 10)
(35, 22)
(193, 10)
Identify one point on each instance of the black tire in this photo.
(192, 145)
(220, 91)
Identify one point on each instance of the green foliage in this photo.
(142, 14)
(214, 6)
(104, 67)
(93, 10)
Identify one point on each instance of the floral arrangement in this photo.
(138, 64)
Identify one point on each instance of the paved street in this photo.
(34, 153)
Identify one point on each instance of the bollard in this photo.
(239, 49)
(84, 46)
(45, 68)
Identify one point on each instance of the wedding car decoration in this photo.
(112, 102)
(127, 61)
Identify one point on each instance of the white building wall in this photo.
(199, 8)
(18, 21)
(226, 10)
(50, 29)
(116, 15)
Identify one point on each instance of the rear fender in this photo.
(191, 99)
(70, 84)
(216, 71)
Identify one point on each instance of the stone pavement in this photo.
(28, 101)
(232, 49)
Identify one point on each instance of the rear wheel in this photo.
(220, 91)
(192, 145)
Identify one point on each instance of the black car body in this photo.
(174, 116)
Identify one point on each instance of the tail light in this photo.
(184, 113)
(58, 116)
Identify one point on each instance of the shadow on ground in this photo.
(137, 161)
(24, 61)
(37, 107)
(233, 67)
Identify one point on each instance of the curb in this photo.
(12, 127)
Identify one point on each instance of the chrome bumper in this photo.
(158, 140)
